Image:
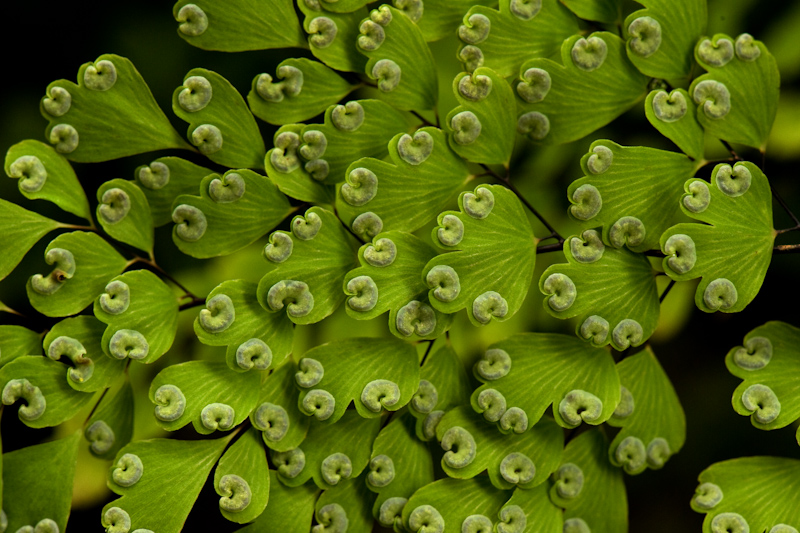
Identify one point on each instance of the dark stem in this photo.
(154, 265)
(196, 302)
(359, 239)
(666, 291)
(545, 248)
(654, 253)
(789, 212)
(786, 249)
(427, 352)
(424, 120)
(103, 395)
(729, 148)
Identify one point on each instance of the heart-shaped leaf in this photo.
(142, 316)
(526, 373)
(111, 425)
(674, 115)
(307, 267)
(612, 291)
(21, 230)
(291, 175)
(124, 213)
(16, 341)
(220, 124)
(109, 114)
(608, 11)
(423, 172)
(207, 394)
(594, 84)
(165, 179)
(232, 211)
(733, 249)
(256, 339)
(736, 71)
(242, 479)
(490, 268)
(45, 174)
(502, 40)
(284, 426)
(303, 89)
(217, 24)
(649, 413)
(289, 509)
(438, 20)
(348, 503)
(83, 263)
(331, 36)
(634, 192)
(532, 508)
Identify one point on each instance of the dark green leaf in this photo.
(124, 213)
(16, 341)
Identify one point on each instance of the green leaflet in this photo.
(163, 180)
(306, 88)
(389, 280)
(494, 252)
(611, 291)
(124, 213)
(660, 38)
(444, 370)
(242, 479)
(749, 494)
(637, 191)
(674, 115)
(375, 374)
(733, 249)
(16, 341)
(400, 465)
(45, 174)
(21, 230)
(246, 322)
(111, 425)
(172, 474)
(232, 211)
(331, 36)
(306, 267)
(291, 176)
(594, 84)
(82, 265)
(289, 509)
(446, 503)
(109, 114)
(342, 6)
(767, 364)
(331, 452)
(512, 460)
(531, 371)
(281, 430)
(38, 483)
(481, 128)
(541, 515)
(438, 20)
(423, 172)
(206, 394)
(347, 503)
(725, 106)
(218, 25)
(653, 415)
(137, 306)
(515, 33)
(220, 124)
(600, 501)
(608, 11)
(49, 400)
(96, 374)
(400, 61)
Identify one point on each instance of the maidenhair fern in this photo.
(384, 174)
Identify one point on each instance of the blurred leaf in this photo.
(608, 11)
(162, 184)
(424, 172)
(347, 503)
(279, 392)
(83, 264)
(289, 509)
(39, 382)
(21, 230)
(220, 124)
(491, 264)
(111, 425)
(218, 24)
(784, 139)
(232, 211)
(124, 213)
(306, 89)
(244, 461)
(650, 415)
(164, 463)
(593, 85)
(16, 341)
(674, 115)
(732, 250)
(45, 174)
(38, 483)
(111, 113)
(639, 190)
(209, 395)
(332, 37)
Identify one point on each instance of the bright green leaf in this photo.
(165, 179)
(608, 11)
(490, 268)
(439, 19)
(342, 6)
(349, 502)
(232, 211)
(45, 174)
(292, 178)
(674, 115)
(594, 84)
(16, 341)
(21, 230)
(289, 509)
(109, 114)
(82, 265)
(541, 515)
(111, 425)
(733, 249)
(331, 36)
(124, 213)
(284, 426)
(242, 479)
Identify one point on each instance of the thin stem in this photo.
(350, 231)
(103, 395)
(786, 249)
(196, 302)
(424, 120)
(666, 291)
(427, 351)
(789, 212)
(729, 148)
(154, 265)
(78, 227)
(436, 114)
(545, 248)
